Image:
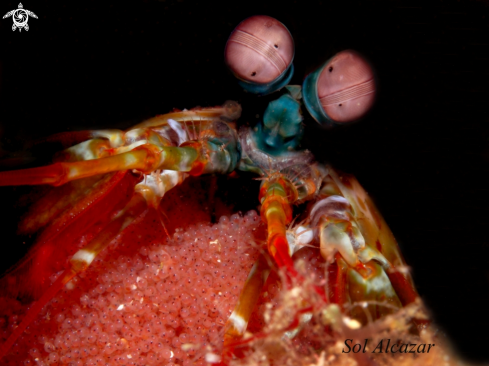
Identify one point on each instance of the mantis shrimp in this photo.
(127, 269)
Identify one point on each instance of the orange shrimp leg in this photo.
(196, 157)
(79, 263)
(67, 213)
(238, 321)
(276, 196)
(276, 211)
(145, 158)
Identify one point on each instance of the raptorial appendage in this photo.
(326, 270)
(361, 259)
(163, 150)
(317, 272)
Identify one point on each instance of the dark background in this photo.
(423, 152)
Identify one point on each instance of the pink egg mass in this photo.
(151, 300)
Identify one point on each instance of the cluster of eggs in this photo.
(166, 305)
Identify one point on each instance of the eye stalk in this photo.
(259, 52)
(342, 90)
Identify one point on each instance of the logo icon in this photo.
(20, 17)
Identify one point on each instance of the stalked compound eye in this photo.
(342, 90)
(260, 52)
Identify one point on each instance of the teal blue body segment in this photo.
(311, 98)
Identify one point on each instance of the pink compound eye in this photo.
(260, 51)
(343, 90)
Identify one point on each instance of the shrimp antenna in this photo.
(161, 213)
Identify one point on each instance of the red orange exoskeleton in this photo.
(128, 269)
